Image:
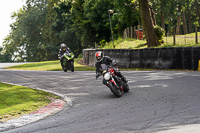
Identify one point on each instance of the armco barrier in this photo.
(155, 58)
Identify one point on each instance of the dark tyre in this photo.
(117, 92)
(72, 66)
(64, 66)
(65, 69)
(126, 88)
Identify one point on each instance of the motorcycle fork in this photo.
(113, 80)
(120, 83)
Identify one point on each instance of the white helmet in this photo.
(98, 56)
(63, 46)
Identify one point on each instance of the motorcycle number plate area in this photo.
(111, 70)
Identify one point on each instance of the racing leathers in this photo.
(60, 54)
(108, 61)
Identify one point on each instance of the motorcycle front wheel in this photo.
(117, 92)
(72, 66)
(64, 66)
(65, 69)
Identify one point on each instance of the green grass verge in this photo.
(49, 66)
(187, 40)
(126, 44)
(18, 100)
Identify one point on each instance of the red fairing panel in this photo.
(111, 70)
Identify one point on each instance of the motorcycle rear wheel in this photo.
(117, 92)
(126, 88)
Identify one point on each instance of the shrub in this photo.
(159, 32)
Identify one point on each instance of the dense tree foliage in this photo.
(2, 56)
(42, 25)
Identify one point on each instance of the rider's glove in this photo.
(61, 57)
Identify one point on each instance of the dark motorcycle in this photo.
(68, 61)
(112, 81)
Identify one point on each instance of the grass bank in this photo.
(126, 44)
(18, 100)
(186, 40)
(49, 66)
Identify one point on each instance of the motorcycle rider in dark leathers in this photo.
(101, 59)
(62, 50)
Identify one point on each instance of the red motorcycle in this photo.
(112, 81)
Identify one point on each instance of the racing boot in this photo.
(122, 76)
(124, 79)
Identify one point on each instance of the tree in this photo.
(162, 15)
(63, 26)
(4, 56)
(178, 19)
(185, 31)
(189, 16)
(197, 10)
(26, 40)
(147, 24)
(42, 25)
(48, 35)
(96, 12)
(126, 15)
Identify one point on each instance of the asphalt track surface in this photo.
(158, 102)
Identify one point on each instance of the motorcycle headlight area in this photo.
(107, 76)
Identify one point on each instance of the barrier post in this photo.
(135, 36)
(138, 28)
(136, 31)
(131, 32)
(199, 66)
(196, 35)
(174, 36)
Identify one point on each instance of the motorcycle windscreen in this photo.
(104, 67)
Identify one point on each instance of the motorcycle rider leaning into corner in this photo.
(101, 59)
(62, 50)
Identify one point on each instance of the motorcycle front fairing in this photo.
(109, 79)
(106, 79)
(69, 56)
(103, 68)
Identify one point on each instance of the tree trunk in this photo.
(178, 25)
(184, 23)
(148, 24)
(162, 17)
(197, 9)
(178, 21)
(189, 17)
(189, 21)
(152, 15)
